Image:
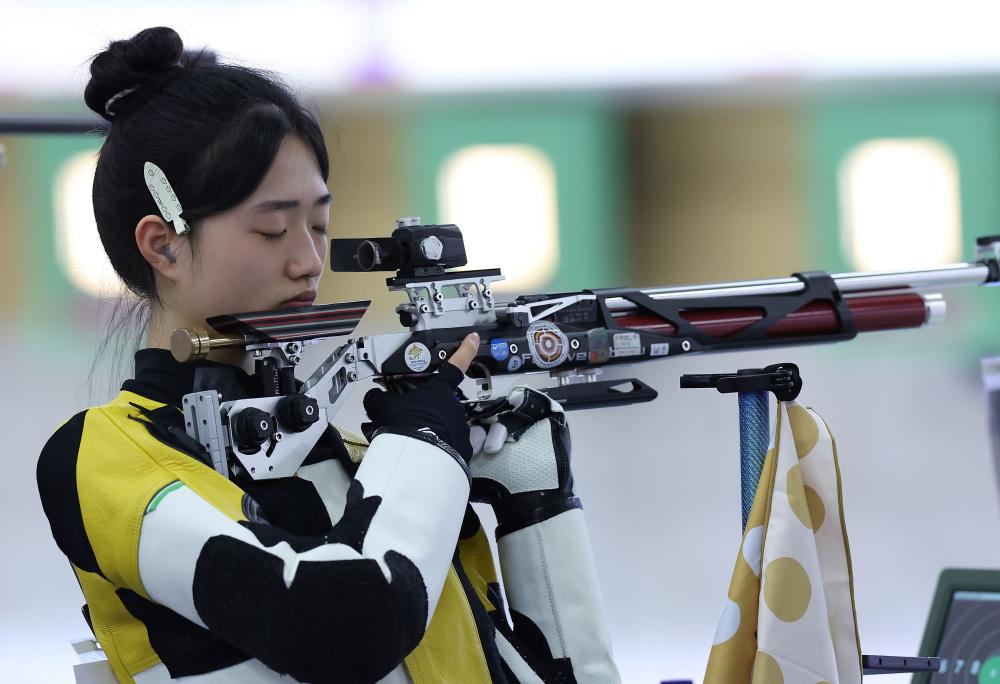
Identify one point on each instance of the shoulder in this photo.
(56, 475)
(56, 468)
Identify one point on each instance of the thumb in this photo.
(466, 352)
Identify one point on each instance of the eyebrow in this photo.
(283, 205)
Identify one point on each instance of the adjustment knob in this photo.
(297, 412)
(252, 427)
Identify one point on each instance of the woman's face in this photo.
(269, 251)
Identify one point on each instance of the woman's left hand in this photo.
(521, 460)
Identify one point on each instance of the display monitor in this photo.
(963, 629)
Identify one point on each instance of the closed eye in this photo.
(273, 237)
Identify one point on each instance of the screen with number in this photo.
(970, 641)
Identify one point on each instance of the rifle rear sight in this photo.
(420, 254)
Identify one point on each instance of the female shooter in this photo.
(369, 565)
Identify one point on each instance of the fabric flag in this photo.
(790, 617)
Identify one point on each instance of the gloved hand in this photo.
(432, 411)
(520, 462)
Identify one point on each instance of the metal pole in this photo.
(755, 433)
(27, 124)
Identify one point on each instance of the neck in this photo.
(162, 324)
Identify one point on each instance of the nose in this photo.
(306, 255)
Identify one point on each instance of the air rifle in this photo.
(571, 336)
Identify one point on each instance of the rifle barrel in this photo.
(955, 275)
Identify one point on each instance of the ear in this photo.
(157, 241)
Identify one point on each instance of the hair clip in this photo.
(165, 197)
(114, 98)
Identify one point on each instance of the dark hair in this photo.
(214, 129)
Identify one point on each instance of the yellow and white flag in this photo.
(790, 617)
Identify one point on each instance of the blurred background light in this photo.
(78, 246)
(900, 205)
(504, 199)
(420, 46)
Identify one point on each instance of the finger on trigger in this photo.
(466, 352)
(495, 438)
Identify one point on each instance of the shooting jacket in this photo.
(367, 566)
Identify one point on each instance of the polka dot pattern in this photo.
(805, 432)
(787, 588)
(729, 623)
(766, 670)
(817, 511)
(752, 541)
(783, 621)
(805, 502)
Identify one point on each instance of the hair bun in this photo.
(129, 64)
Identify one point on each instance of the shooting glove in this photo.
(520, 462)
(431, 413)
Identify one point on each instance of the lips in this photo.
(307, 298)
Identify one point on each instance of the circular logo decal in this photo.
(498, 349)
(547, 344)
(514, 363)
(417, 357)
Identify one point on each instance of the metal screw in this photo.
(438, 297)
(513, 349)
(686, 345)
(574, 344)
(350, 358)
(488, 292)
(424, 308)
(277, 437)
(352, 376)
(442, 354)
(473, 304)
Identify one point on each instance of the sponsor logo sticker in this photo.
(417, 357)
(626, 344)
(499, 350)
(547, 344)
(514, 363)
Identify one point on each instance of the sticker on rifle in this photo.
(499, 350)
(599, 345)
(417, 357)
(547, 344)
(659, 349)
(626, 344)
(514, 363)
